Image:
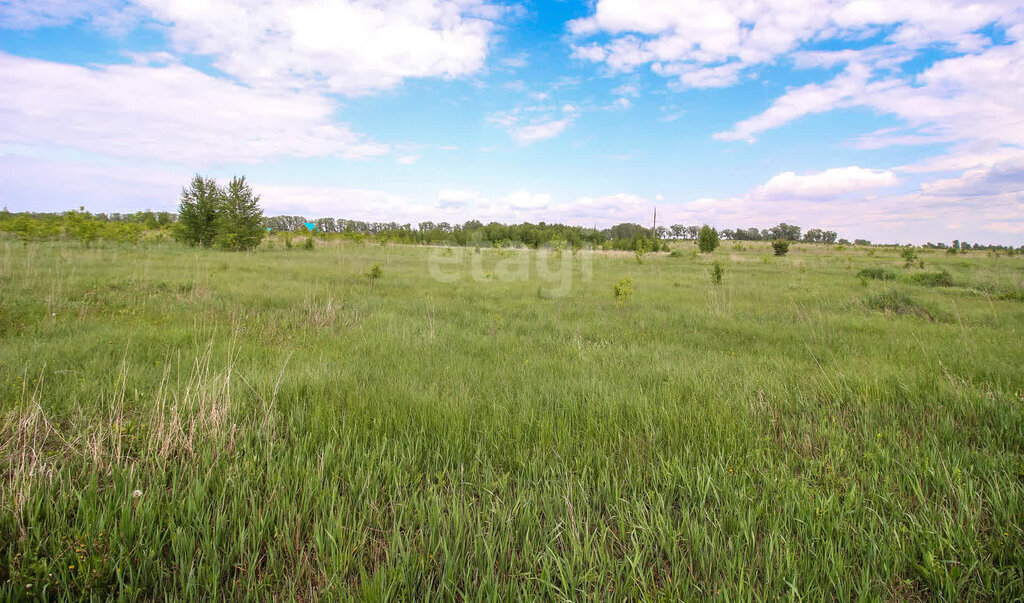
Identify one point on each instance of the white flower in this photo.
(136, 493)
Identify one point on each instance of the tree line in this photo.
(230, 217)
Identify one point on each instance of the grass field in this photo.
(192, 424)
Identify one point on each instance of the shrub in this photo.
(781, 246)
(623, 290)
(707, 239)
(894, 301)
(677, 253)
(640, 251)
(308, 243)
(716, 272)
(880, 274)
(941, 278)
(375, 272)
(909, 256)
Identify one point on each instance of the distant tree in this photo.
(785, 231)
(863, 242)
(844, 241)
(707, 239)
(240, 219)
(692, 232)
(678, 231)
(814, 235)
(781, 246)
(829, 237)
(197, 212)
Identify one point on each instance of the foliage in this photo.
(707, 239)
(780, 246)
(623, 290)
(941, 278)
(716, 272)
(198, 211)
(909, 255)
(375, 272)
(239, 218)
(880, 274)
(308, 244)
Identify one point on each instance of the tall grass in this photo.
(275, 425)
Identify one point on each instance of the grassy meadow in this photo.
(188, 424)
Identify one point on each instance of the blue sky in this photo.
(895, 122)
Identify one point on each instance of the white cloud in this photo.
(799, 102)
(710, 44)
(516, 62)
(451, 197)
(826, 184)
(848, 200)
(523, 200)
(540, 131)
(343, 46)
(621, 103)
(408, 159)
(973, 97)
(532, 123)
(109, 15)
(170, 113)
(627, 90)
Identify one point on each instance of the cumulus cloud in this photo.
(342, 46)
(709, 44)
(170, 113)
(828, 183)
(972, 97)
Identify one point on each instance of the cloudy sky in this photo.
(894, 121)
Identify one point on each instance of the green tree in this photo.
(240, 220)
(707, 239)
(197, 212)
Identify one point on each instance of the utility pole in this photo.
(654, 229)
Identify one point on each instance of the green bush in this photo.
(878, 274)
(941, 278)
(909, 256)
(707, 239)
(781, 246)
(623, 290)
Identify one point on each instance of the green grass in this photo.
(187, 424)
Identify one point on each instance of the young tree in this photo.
(240, 223)
(197, 212)
(707, 239)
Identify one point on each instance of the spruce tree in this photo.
(198, 210)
